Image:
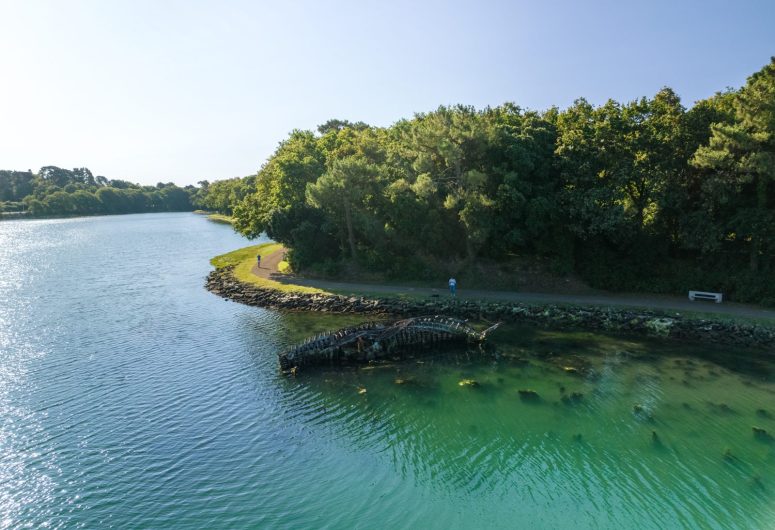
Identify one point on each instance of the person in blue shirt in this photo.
(452, 286)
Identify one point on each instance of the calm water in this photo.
(131, 397)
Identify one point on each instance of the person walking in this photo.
(452, 286)
(258, 257)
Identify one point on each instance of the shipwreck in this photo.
(379, 340)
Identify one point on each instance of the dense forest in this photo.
(54, 191)
(644, 195)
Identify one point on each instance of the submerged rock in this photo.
(721, 408)
(529, 395)
(728, 456)
(762, 435)
(573, 399)
(763, 413)
(655, 438)
(641, 412)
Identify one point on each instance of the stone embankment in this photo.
(223, 283)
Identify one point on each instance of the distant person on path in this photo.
(452, 286)
(258, 257)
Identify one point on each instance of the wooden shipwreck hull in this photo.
(379, 340)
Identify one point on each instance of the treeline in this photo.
(222, 195)
(55, 191)
(644, 195)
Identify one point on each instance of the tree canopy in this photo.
(55, 191)
(642, 195)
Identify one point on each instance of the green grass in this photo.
(243, 260)
(220, 218)
(216, 217)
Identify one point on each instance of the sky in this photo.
(181, 91)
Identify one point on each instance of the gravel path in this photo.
(666, 303)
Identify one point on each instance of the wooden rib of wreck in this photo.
(378, 340)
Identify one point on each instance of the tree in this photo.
(334, 125)
(588, 155)
(449, 147)
(280, 184)
(521, 156)
(56, 175)
(742, 158)
(342, 190)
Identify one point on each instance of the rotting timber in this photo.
(378, 340)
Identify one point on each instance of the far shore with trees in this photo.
(58, 192)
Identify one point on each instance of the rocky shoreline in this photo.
(619, 320)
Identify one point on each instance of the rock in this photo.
(529, 395)
(763, 413)
(641, 412)
(573, 398)
(728, 456)
(762, 435)
(721, 408)
(655, 439)
(468, 382)
(361, 390)
(223, 283)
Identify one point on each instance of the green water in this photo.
(622, 434)
(132, 398)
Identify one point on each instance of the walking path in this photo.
(269, 270)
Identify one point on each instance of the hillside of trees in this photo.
(54, 191)
(640, 196)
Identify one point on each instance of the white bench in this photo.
(702, 295)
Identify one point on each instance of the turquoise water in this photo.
(130, 397)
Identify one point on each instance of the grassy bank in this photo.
(220, 218)
(243, 260)
(216, 217)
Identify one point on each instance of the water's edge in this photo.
(222, 282)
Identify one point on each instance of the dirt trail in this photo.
(269, 265)
(269, 270)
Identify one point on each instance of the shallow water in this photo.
(131, 397)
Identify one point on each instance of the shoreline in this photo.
(648, 323)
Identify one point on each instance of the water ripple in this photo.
(131, 397)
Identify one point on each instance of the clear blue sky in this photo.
(156, 91)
